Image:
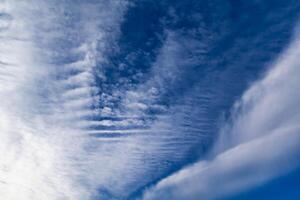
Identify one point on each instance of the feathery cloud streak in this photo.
(261, 141)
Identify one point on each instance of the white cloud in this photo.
(44, 155)
(46, 99)
(260, 142)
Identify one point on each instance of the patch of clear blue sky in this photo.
(283, 188)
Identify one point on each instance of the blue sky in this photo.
(149, 99)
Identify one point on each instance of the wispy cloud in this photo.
(66, 132)
(259, 143)
(48, 54)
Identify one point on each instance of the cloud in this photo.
(67, 135)
(47, 86)
(258, 144)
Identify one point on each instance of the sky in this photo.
(149, 99)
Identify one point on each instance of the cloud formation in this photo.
(258, 144)
(47, 86)
(78, 123)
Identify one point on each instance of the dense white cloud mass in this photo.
(45, 96)
(259, 143)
